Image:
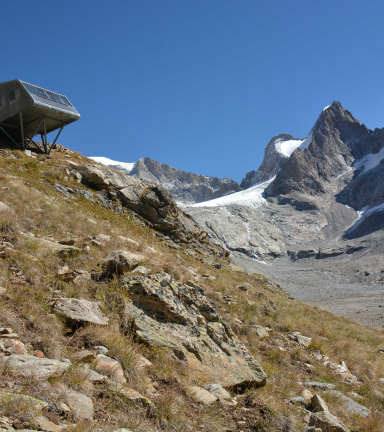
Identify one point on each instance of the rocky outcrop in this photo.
(273, 161)
(153, 203)
(164, 312)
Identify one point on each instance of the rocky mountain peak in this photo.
(276, 154)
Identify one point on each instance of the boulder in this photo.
(202, 396)
(318, 404)
(327, 422)
(4, 208)
(80, 405)
(181, 318)
(219, 392)
(31, 366)
(132, 395)
(43, 424)
(25, 402)
(120, 261)
(80, 310)
(48, 247)
(111, 368)
(90, 375)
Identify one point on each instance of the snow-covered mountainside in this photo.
(186, 187)
(125, 167)
(277, 153)
(326, 187)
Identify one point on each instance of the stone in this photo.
(245, 286)
(132, 395)
(120, 261)
(4, 208)
(46, 425)
(129, 241)
(31, 366)
(81, 406)
(27, 403)
(297, 400)
(90, 375)
(104, 238)
(351, 406)
(80, 310)
(102, 350)
(84, 356)
(47, 247)
(319, 386)
(142, 362)
(327, 422)
(111, 368)
(82, 278)
(182, 319)
(262, 332)
(318, 404)
(141, 270)
(219, 392)
(202, 396)
(15, 347)
(122, 430)
(39, 354)
(3, 291)
(307, 396)
(303, 340)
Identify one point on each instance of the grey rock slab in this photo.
(80, 404)
(327, 422)
(202, 396)
(298, 400)
(303, 340)
(352, 406)
(219, 392)
(31, 366)
(80, 310)
(319, 386)
(318, 404)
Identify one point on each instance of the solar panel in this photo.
(39, 92)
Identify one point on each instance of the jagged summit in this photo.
(277, 152)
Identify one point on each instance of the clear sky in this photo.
(201, 85)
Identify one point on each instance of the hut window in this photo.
(12, 95)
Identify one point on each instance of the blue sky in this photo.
(200, 85)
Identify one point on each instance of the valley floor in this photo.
(318, 283)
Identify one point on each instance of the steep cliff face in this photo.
(276, 155)
(336, 141)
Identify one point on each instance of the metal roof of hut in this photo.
(27, 110)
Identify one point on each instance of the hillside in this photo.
(117, 312)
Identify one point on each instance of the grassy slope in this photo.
(40, 210)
